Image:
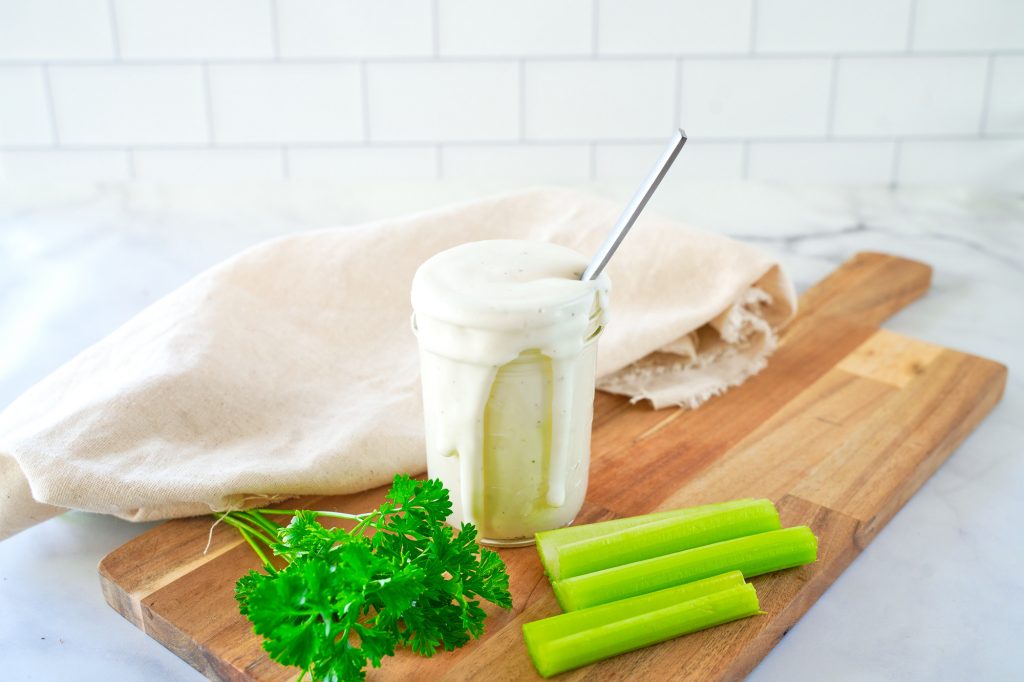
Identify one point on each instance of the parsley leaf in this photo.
(346, 599)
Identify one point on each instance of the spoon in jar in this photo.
(635, 206)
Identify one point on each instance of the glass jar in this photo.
(510, 439)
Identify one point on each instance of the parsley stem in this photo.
(256, 548)
(233, 520)
(332, 514)
(359, 527)
(256, 517)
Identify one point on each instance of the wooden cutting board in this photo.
(843, 426)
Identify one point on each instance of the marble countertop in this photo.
(939, 595)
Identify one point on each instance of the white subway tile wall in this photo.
(354, 29)
(1006, 106)
(442, 101)
(24, 112)
(525, 163)
(56, 30)
(703, 161)
(44, 165)
(474, 28)
(989, 163)
(206, 165)
(363, 163)
(824, 26)
(675, 27)
(887, 92)
(844, 163)
(910, 96)
(153, 30)
(593, 100)
(969, 25)
(302, 103)
(117, 105)
(741, 98)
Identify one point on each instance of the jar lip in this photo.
(505, 284)
(511, 317)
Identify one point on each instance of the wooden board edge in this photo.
(868, 288)
(118, 599)
(188, 650)
(163, 633)
(782, 622)
(988, 398)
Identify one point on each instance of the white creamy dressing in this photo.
(478, 307)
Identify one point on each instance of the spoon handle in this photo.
(635, 206)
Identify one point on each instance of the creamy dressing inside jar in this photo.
(507, 336)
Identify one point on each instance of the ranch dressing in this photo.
(507, 335)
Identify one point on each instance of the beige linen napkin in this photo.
(291, 368)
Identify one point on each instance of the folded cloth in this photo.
(291, 368)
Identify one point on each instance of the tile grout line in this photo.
(592, 160)
(677, 94)
(439, 165)
(435, 29)
(894, 171)
(51, 106)
(553, 142)
(511, 58)
(208, 96)
(986, 101)
(833, 94)
(286, 166)
(275, 35)
(746, 161)
(115, 35)
(753, 27)
(595, 26)
(522, 101)
(364, 92)
(911, 20)
(130, 155)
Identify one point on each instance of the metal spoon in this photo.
(635, 206)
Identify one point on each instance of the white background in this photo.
(890, 92)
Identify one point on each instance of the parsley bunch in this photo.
(346, 598)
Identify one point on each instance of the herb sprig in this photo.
(346, 598)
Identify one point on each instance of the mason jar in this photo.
(508, 353)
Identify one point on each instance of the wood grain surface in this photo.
(840, 430)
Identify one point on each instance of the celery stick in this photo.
(549, 541)
(752, 555)
(570, 623)
(560, 653)
(673, 534)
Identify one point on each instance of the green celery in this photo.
(550, 541)
(752, 555)
(558, 647)
(703, 526)
(566, 624)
